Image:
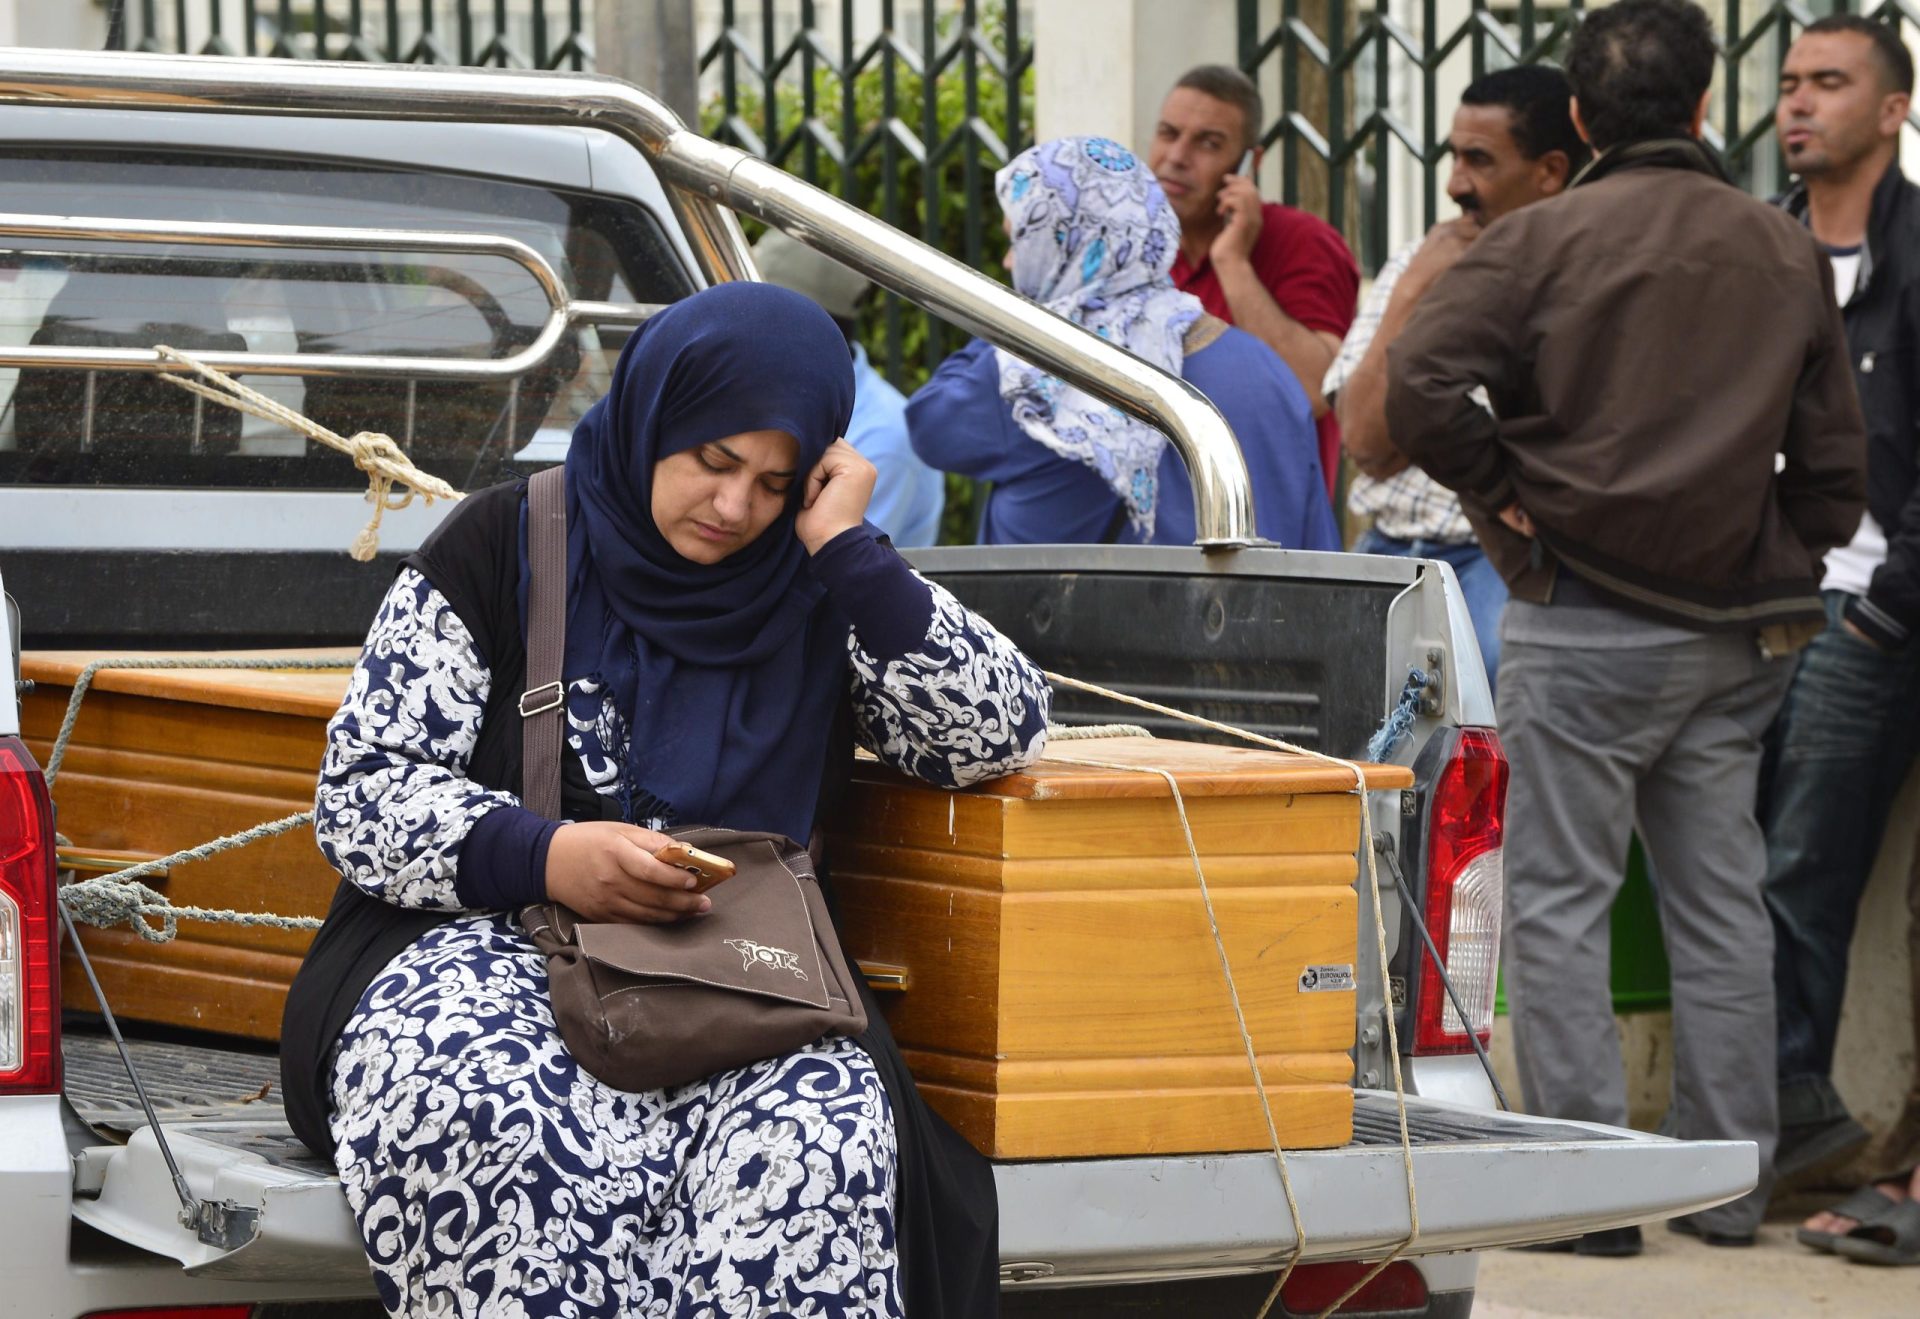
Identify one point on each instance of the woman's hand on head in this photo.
(838, 490)
(606, 872)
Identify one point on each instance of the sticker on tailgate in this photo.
(1328, 978)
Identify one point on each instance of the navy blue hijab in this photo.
(728, 673)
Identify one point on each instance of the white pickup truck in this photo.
(130, 519)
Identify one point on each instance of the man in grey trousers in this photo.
(1677, 444)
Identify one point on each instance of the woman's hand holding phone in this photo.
(607, 873)
(838, 491)
(706, 868)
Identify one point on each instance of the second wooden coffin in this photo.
(1065, 995)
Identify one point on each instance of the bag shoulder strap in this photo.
(542, 704)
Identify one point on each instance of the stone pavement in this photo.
(1679, 1276)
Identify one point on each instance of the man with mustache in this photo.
(1513, 144)
(1282, 275)
(1847, 734)
(1674, 443)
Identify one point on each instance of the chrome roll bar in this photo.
(562, 310)
(703, 177)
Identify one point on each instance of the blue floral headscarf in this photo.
(1094, 240)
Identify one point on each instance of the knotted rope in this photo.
(119, 897)
(1246, 1036)
(385, 463)
(1399, 721)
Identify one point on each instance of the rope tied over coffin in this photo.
(119, 897)
(1246, 1036)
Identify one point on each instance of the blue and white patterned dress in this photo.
(489, 1174)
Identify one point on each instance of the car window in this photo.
(77, 427)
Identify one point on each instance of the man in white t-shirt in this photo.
(1513, 144)
(1848, 731)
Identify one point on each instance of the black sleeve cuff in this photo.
(503, 860)
(1880, 627)
(891, 609)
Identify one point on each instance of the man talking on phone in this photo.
(1280, 274)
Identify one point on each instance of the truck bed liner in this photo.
(201, 1083)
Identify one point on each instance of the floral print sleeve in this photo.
(938, 692)
(394, 802)
(966, 705)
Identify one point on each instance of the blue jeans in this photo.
(1485, 592)
(1843, 742)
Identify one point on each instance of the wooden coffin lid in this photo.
(305, 692)
(1200, 768)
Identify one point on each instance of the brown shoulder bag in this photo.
(645, 1007)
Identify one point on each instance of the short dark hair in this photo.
(1536, 95)
(1223, 82)
(1640, 68)
(1896, 65)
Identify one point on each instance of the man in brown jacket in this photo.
(1678, 444)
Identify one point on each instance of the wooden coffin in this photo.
(1064, 993)
(163, 760)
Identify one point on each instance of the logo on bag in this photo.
(758, 954)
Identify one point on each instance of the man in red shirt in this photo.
(1284, 276)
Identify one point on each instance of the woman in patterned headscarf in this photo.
(1094, 239)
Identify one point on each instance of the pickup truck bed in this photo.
(1061, 1222)
(1313, 648)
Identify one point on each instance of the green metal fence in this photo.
(1356, 89)
(519, 34)
(908, 121)
(909, 117)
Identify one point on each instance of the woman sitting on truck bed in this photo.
(733, 625)
(1094, 240)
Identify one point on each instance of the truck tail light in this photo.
(1398, 1288)
(1466, 884)
(29, 929)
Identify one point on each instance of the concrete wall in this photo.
(1104, 66)
(60, 24)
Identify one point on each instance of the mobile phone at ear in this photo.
(707, 867)
(1245, 168)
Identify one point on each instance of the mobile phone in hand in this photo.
(1245, 168)
(705, 866)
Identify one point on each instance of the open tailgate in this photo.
(1483, 1179)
